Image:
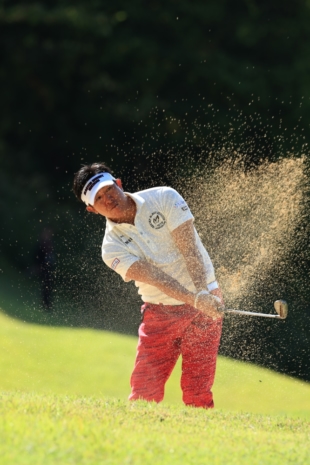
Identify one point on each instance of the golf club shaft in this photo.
(243, 312)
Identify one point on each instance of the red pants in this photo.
(166, 332)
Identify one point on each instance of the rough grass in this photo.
(36, 429)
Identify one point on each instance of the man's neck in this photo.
(129, 213)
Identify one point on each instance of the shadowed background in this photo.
(211, 98)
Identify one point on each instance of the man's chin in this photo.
(113, 211)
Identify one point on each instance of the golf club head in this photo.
(281, 308)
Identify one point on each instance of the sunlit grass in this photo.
(96, 363)
(63, 399)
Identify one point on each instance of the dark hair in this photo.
(85, 173)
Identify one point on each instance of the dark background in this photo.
(155, 89)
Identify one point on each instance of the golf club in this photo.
(280, 306)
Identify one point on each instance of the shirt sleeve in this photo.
(117, 257)
(175, 207)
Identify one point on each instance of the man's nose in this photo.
(108, 197)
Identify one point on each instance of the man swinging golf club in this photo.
(150, 238)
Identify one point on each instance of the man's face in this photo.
(110, 201)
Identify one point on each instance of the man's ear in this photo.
(91, 209)
(119, 183)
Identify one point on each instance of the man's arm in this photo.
(147, 273)
(184, 237)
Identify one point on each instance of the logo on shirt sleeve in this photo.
(114, 264)
(125, 240)
(157, 220)
(180, 203)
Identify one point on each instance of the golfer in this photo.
(150, 238)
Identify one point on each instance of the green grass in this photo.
(53, 360)
(38, 429)
(63, 401)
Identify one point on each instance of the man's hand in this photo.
(218, 293)
(210, 305)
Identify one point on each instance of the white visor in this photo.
(93, 185)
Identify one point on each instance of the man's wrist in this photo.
(189, 298)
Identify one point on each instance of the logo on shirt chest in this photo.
(157, 220)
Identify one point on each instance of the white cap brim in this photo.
(93, 185)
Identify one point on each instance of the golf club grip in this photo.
(241, 312)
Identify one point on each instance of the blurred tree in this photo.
(151, 88)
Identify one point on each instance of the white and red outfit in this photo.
(169, 327)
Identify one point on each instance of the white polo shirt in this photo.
(160, 210)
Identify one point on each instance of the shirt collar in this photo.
(139, 201)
